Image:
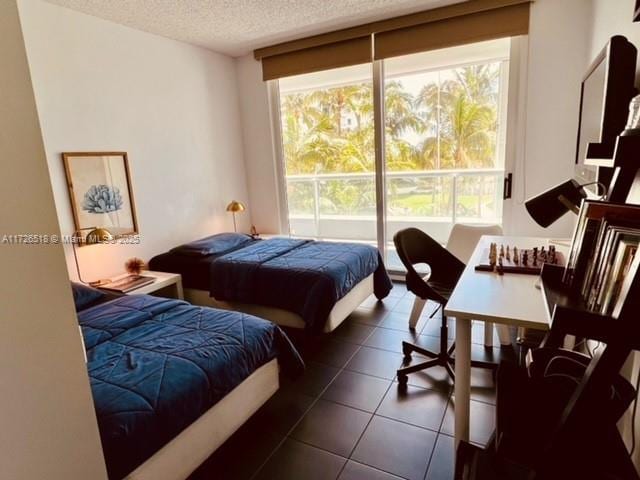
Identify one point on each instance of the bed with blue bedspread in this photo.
(156, 365)
(305, 277)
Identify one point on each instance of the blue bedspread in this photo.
(301, 276)
(156, 365)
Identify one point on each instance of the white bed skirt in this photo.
(341, 310)
(182, 455)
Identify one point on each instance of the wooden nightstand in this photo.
(167, 285)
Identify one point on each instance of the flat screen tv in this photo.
(607, 89)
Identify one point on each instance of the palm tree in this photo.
(462, 116)
(400, 113)
(480, 82)
(338, 101)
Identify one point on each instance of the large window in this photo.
(329, 156)
(444, 122)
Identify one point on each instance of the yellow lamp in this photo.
(98, 235)
(235, 207)
(95, 236)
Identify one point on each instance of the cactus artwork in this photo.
(102, 199)
(100, 192)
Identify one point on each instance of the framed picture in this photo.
(100, 192)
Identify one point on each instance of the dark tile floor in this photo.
(347, 419)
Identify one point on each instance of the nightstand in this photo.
(167, 285)
(267, 236)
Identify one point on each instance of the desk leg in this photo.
(463, 379)
(488, 334)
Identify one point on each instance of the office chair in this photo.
(415, 247)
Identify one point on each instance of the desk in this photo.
(509, 299)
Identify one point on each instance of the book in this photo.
(128, 283)
(625, 253)
(604, 243)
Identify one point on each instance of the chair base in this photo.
(442, 359)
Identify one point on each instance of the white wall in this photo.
(173, 107)
(558, 56)
(613, 18)
(48, 424)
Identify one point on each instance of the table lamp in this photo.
(95, 236)
(552, 204)
(235, 207)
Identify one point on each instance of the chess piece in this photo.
(516, 256)
(501, 250)
(500, 267)
(508, 257)
(492, 254)
(525, 258)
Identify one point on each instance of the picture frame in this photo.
(100, 192)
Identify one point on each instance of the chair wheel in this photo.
(403, 379)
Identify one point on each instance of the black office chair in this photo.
(414, 247)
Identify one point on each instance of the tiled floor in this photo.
(347, 419)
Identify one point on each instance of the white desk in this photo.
(509, 299)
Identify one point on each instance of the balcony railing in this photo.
(343, 205)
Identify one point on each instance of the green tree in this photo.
(461, 116)
(331, 130)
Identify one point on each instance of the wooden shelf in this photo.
(556, 293)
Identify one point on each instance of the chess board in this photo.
(525, 263)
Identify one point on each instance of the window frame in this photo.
(514, 141)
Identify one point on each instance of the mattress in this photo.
(156, 365)
(301, 276)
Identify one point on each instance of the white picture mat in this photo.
(110, 170)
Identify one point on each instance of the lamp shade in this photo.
(552, 204)
(235, 207)
(98, 235)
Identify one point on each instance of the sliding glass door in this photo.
(444, 137)
(444, 119)
(327, 130)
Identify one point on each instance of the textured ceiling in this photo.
(236, 27)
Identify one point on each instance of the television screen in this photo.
(593, 93)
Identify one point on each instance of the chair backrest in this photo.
(464, 238)
(414, 247)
